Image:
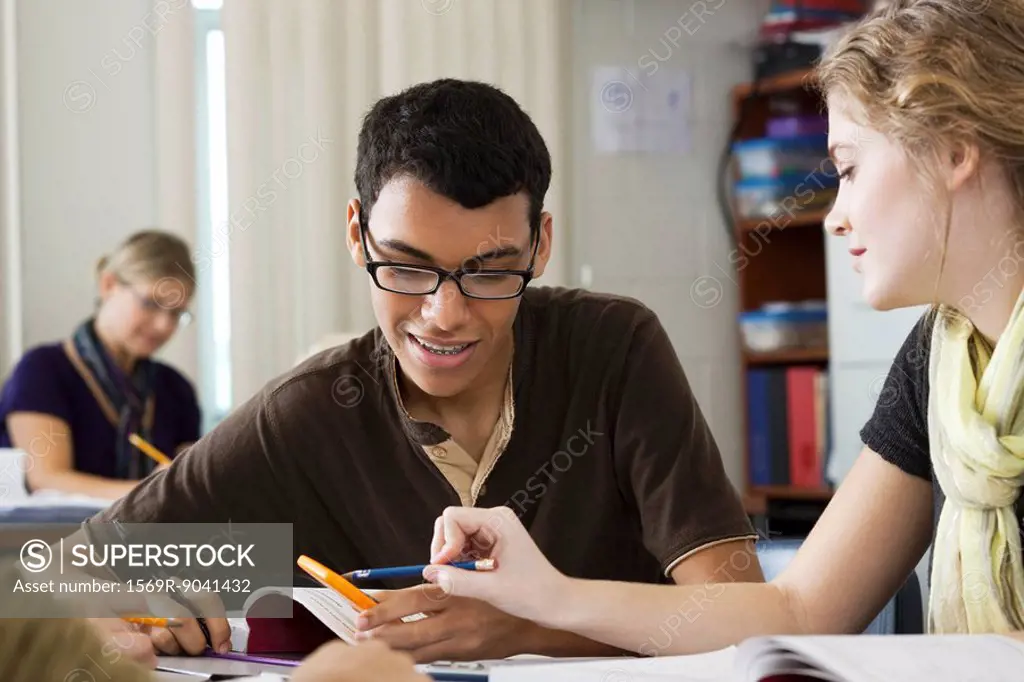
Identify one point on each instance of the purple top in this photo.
(44, 380)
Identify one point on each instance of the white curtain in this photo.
(11, 341)
(175, 128)
(300, 76)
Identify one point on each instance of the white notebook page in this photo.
(336, 612)
(883, 658)
(716, 666)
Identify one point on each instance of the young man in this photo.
(570, 407)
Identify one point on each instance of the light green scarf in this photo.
(976, 434)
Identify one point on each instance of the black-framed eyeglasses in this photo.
(424, 280)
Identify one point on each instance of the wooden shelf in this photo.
(806, 219)
(782, 357)
(757, 498)
(792, 492)
(775, 263)
(794, 80)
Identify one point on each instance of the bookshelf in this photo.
(783, 83)
(757, 498)
(781, 259)
(786, 357)
(808, 219)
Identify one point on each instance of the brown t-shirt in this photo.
(609, 462)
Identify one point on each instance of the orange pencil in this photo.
(153, 622)
(329, 578)
(147, 449)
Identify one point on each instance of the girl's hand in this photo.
(523, 583)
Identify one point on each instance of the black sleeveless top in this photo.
(898, 427)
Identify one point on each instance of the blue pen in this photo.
(414, 571)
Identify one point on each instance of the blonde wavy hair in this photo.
(149, 256)
(932, 75)
(55, 645)
(929, 74)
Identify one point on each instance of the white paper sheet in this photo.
(13, 463)
(716, 666)
(867, 658)
(632, 112)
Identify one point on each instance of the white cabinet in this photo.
(862, 345)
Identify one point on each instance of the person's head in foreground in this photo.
(74, 649)
(451, 178)
(145, 286)
(926, 127)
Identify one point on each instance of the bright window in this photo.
(214, 251)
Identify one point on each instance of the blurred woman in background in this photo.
(72, 405)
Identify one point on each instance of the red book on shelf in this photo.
(804, 468)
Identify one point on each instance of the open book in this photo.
(850, 658)
(318, 615)
(872, 658)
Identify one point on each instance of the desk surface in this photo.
(40, 514)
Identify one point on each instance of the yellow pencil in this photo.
(149, 450)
